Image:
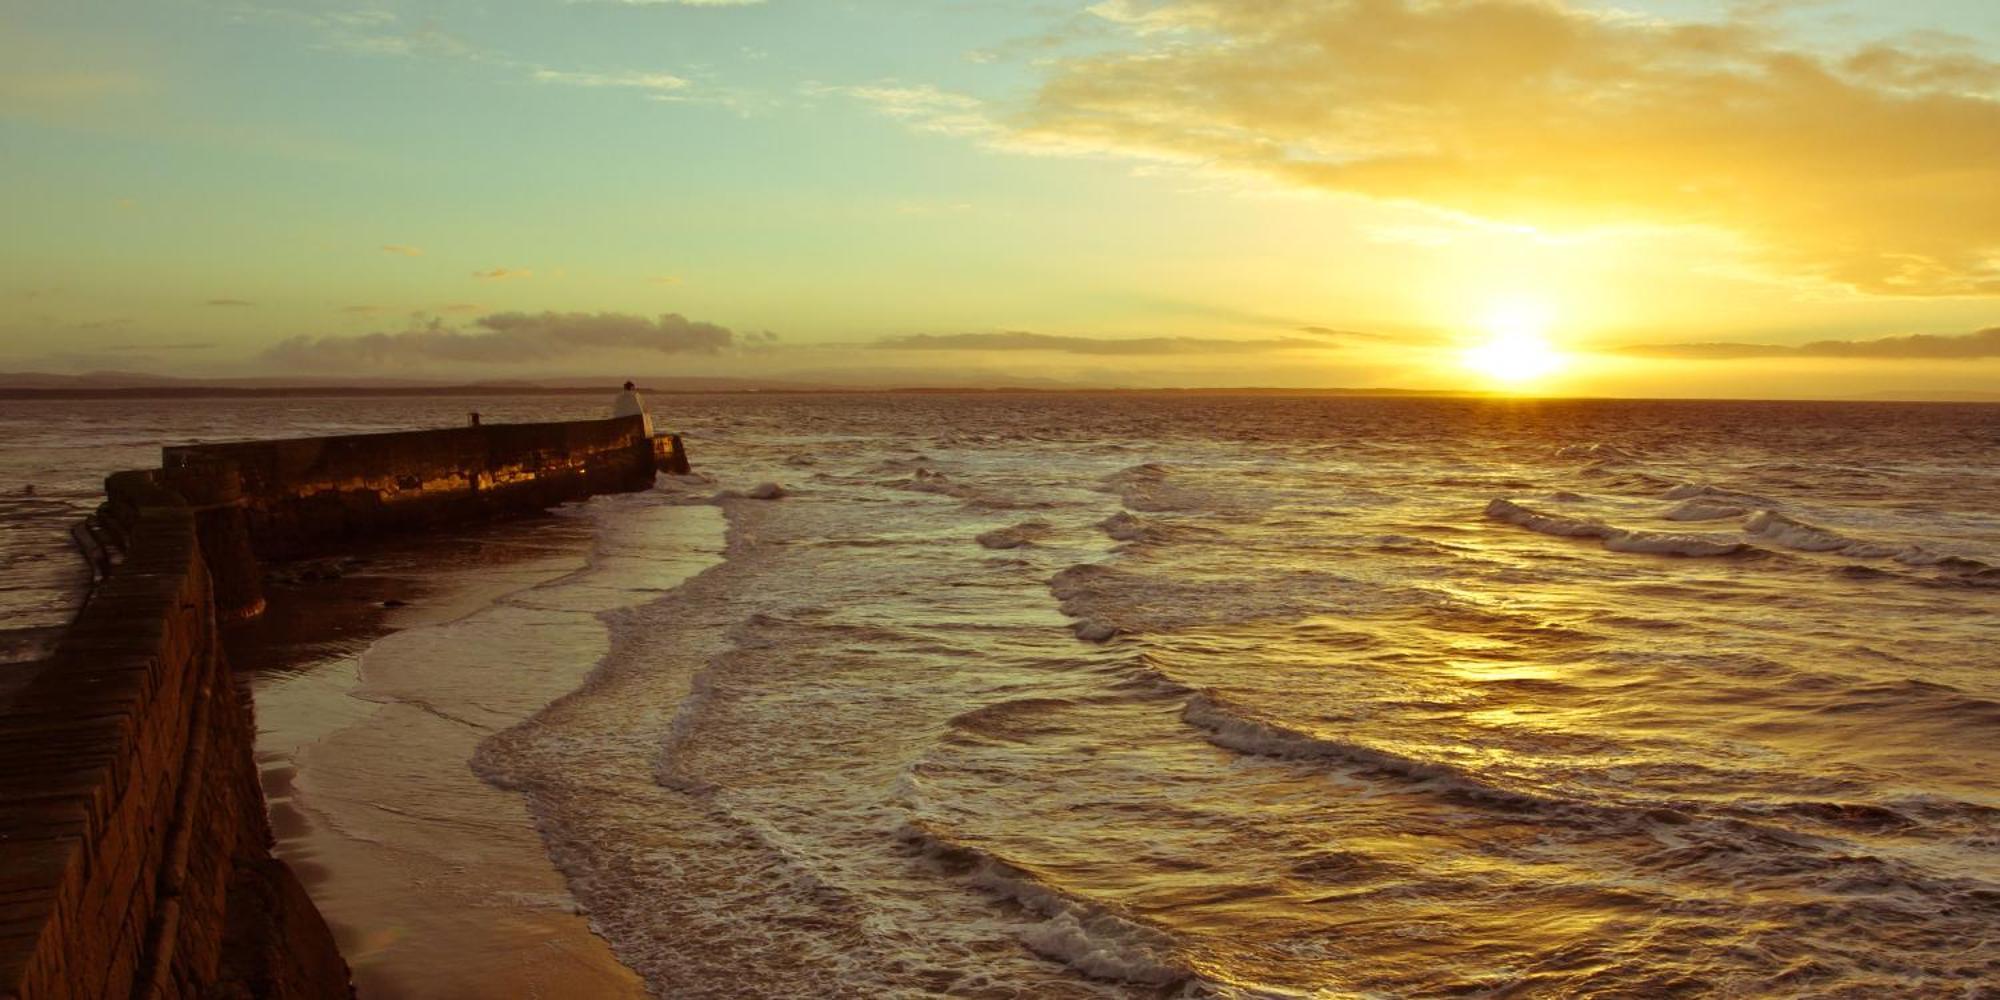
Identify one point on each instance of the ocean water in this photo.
(1256, 696)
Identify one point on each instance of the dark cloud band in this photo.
(1019, 341)
(1915, 347)
(509, 337)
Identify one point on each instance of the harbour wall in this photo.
(134, 844)
(276, 500)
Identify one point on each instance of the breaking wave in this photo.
(1088, 937)
(1792, 533)
(1702, 509)
(1614, 538)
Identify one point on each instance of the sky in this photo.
(1652, 198)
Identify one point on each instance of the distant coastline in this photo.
(126, 385)
(266, 389)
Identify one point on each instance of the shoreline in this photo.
(436, 883)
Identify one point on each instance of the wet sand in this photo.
(436, 883)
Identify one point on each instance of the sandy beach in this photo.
(434, 881)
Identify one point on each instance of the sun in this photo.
(1517, 349)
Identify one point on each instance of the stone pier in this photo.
(134, 846)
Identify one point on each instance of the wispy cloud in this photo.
(191, 346)
(376, 31)
(1877, 168)
(368, 31)
(507, 338)
(1914, 347)
(228, 302)
(1014, 340)
(922, 106)
(637, 81)
(402, 250)
(503, 274)
(1335, 334)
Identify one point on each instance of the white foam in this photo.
(1657, 543)
(1077, 933)
(1101, 945)
(1702, 510)
(1612, 537)
(1793, 533)
(1082, 935)
(1548, 524)
(1803, 536)
(666, 766)
(1233, 728)
(1236, 732)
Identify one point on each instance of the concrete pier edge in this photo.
(134, 844)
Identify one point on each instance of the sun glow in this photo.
(1517, 350)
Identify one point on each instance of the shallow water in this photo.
(1024, 695)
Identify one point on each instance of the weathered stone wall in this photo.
(266, 500)
(134, 846)
(129, 805)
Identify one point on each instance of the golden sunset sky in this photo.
(1654, 197)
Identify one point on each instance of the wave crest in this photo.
(1086, 936)
(1612, 537)
(1803, 536)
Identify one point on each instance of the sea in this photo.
(1018, 695)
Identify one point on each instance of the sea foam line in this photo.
(1086, 936)
(1612, 537)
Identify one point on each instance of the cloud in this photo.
(1334, 334)
(368, 31)
(1877, 168)
(664, 280)
(195, 346)
(639, 81)
(506, 338)
(228, 302)
(1915, 347)
(401, 250)
(503, 274)
(377, 32)
(1022, 341)
(922, 106)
